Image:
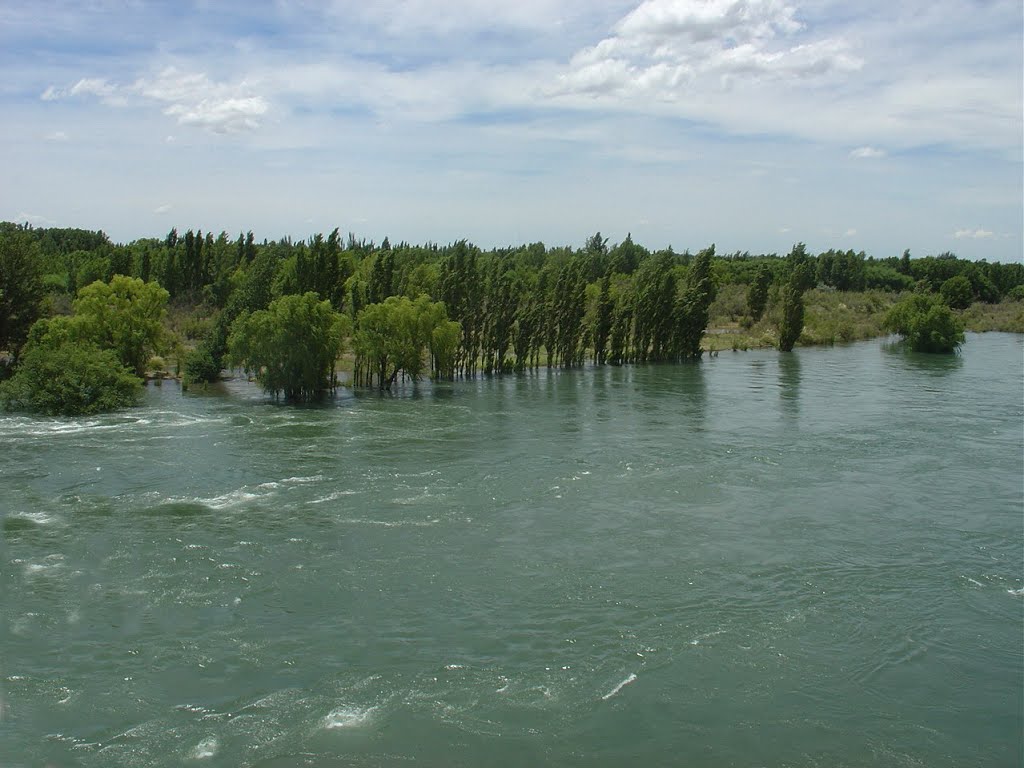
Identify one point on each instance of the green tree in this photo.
(800, 278)
(757, 294)
(393, 339)
(603, 321)
(291, 347)
(957, 292)
(60, 376)
(926, 323)
(21, 288)
(125, 315)
(693, 306)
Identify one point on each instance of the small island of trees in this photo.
(83, 320)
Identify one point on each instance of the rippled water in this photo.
(762, 560)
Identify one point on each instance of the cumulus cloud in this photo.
(973, 234)
(190, 97)
(194, 99)
(867, 153)
(670, 49)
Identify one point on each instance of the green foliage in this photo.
(927, 324)
(757, 295)
(21, 288)
(801, 277)
(957, 292)
(125, 315)
(200, 366)
(291, 347)
(394, 337)
(59, 376)
(693, 306)
(886, 278)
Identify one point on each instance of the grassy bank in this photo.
(834, 317)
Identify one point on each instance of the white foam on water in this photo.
(1016, 592)
(301, 480)
(205, 749)
(333, 496)
(348, 717)
(706, 635)
(619, 687)
(390, 523)
(39, 518)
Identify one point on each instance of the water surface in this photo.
(811, 559)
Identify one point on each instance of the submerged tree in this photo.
(125, 315)
(693, 306)
(926, 323)
(400, 337)
(292, 346)
(799, 279)
(60, 374)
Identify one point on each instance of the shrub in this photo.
(957, 292)
(926, 323)
(200, 366)
(69, 379)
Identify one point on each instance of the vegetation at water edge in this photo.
(300, 315)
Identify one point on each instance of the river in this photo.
(811, 559)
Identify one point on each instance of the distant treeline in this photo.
(516, 307)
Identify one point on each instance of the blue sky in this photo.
(748, 123)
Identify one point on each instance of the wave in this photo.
(348, 717)
(205, 749)
(619, 687)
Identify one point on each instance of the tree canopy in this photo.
(21, 288)
(927, 324)
(61, 375)
(292, 346)
(125, 315)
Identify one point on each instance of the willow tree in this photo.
(291, 346)
(125, 315)
(400, 337)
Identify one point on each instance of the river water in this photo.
(811, 559)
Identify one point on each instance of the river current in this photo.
(809, 559)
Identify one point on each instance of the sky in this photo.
(751, 124)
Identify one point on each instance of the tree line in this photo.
(286, 310)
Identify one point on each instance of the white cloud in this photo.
(191, 97)
(93, 86)
(867, 153)
(973, 234)
(674, 49)
(56, 136)
(850, 232)
(161, 209)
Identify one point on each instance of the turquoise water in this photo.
(813, 559)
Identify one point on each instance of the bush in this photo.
(957, 292)
(291, 346)
(926, 323)
(200, 366)
(69, 379)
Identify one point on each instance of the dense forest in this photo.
(77, 309)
